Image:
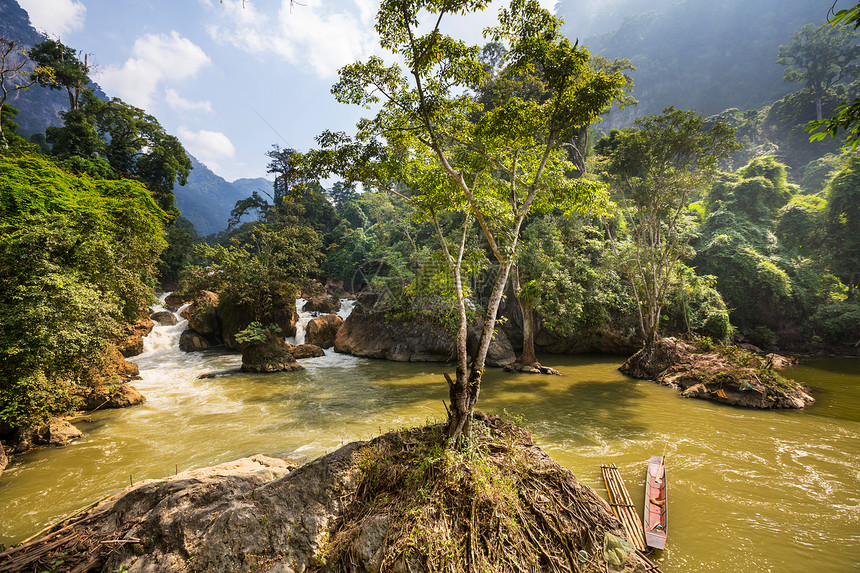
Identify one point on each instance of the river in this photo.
(748, 490)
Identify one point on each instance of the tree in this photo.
(12, 66)
(847, 116)
(114, 140)
(657, 168)
(820, 56)
(426, 145)
(60, 67)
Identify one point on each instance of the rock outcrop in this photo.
(131, 341)
(174, 301)
(4, 459)
(322, 330)
(105, 397)
(729, 375)
(371, 334)
(323, 304)
(263, 514)
(305, 351)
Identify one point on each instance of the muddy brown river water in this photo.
(748, 490)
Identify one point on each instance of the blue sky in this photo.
(228, 80)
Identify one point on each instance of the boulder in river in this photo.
(164, 318)
(272, 355)
(355, 509)
(324, 304)
(729, 375)
(202, 314)
(105, 397)
(237, 315)
(372, 334)
(193, 341)
(57, 432)
(174, 301)
(322, 330)
(305, 351)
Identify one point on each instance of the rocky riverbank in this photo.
(399, 503)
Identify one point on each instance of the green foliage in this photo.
(259, 272)
(656, 170)
(181, 238)
(842, 220)
(60, 67)
(111, 139)
(819, 56)
(77, 259)
(818, 173)
(838, 322)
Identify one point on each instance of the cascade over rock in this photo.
(369, 333)
(322, 330)
(4, 459)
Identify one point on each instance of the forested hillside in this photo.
(206, 199)
(694, 54)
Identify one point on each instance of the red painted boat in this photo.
(656, 518)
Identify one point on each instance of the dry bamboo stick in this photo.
(623, 506)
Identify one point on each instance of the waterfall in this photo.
(305, 317)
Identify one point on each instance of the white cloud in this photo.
(179, 103)
(155, 58)
(318, 35)
(210, 147)
(321, 35)
(55, 17)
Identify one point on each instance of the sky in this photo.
(229, 80)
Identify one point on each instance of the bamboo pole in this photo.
(623, 506)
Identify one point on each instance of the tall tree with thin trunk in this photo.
(820, 56)
(656, 169)
(430, 144)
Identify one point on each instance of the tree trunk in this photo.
(528, 356)
(464, 391)
(818, 112)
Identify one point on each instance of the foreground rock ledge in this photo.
(337, 514)
(727, 375)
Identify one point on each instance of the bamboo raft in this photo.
(623, 506)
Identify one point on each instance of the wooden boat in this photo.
(656, 515)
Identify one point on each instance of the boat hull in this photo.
(656, 515)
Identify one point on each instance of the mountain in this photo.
(207, 199)
(694, 54)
